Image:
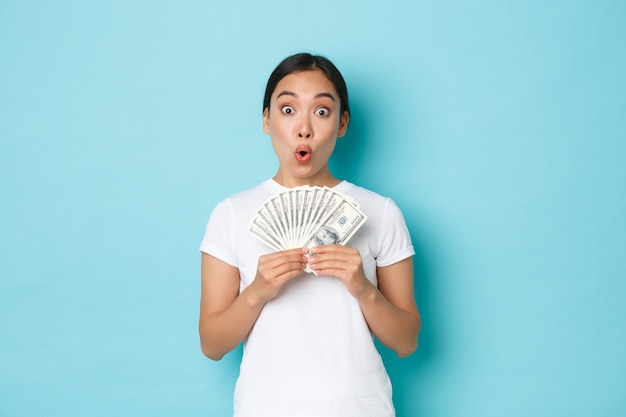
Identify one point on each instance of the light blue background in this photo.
(498, 127)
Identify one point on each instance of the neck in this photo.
(319, 181)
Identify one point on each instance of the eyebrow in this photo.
(292, 94)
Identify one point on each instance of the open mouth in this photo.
(303, 153)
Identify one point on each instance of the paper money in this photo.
(306, 217)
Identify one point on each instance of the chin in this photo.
(303, 173)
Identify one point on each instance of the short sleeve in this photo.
(396, 242)
(218, 238)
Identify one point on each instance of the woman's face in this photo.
(304, 121)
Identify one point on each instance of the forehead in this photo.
(306, 83)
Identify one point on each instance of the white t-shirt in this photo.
(310, 353)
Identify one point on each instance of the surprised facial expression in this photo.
(304, 121)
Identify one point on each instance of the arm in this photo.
(390, 310)
(227, 316)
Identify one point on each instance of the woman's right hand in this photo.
(275, 269)
(227, 316)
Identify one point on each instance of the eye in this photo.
(322, 111)
(287, 109)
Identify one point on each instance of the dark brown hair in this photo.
(305, 62)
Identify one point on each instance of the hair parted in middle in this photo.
(305, 62)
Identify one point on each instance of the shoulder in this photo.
(258, 191)
(382, 212)
(356, 191)
(384, 234)
(249, 199)
(371, 202)
(229, 221)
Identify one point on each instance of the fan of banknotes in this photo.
(305, 217)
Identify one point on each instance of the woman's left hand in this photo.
(389, 309)
(344, 263)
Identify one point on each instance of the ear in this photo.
(343, 124)
(266, 120)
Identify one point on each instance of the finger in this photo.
(332, 249)
(327, 261)
(277, 258)
(343, 256)
(290, 274)
(349, 263)
(288, 263)
(281, 271)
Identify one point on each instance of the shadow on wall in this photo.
(348, 158)
(352, 156)
(407, 373)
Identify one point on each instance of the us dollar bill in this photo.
(337, 229)
(340, 225)
(307, 217)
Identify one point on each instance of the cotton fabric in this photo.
(310, 353)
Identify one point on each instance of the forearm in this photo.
(223, 331)
(395, 328)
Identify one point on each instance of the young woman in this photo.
(308, 344)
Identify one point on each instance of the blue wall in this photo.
(498, 127)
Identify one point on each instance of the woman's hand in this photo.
(344, 263)
(389, 309)
(274, 270)
(227, 316)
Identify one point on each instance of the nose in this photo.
(305, 131)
